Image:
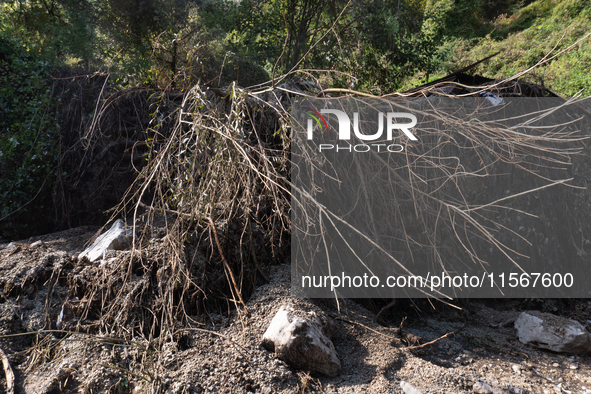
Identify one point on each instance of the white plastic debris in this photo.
(117, 238)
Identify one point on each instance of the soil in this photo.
(221, 352)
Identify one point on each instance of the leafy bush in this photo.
(28, 133)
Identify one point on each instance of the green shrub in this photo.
(28, 133)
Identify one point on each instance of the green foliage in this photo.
(132, 31)
(372, 44)
(250, 28)
(526, 37)
(258, 30)
(569, 74)
(379, 46)
(54, 29)
(400, 39)
(28, 132)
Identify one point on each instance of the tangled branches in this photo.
(472, 192)
(481, 192)
(216, 176)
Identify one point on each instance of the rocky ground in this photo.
(222, 353)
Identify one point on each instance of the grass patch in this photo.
(523, 38)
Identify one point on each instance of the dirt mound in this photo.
(221, 351)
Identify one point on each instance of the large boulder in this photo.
(300, 339)
(552, 332)
(117, 238)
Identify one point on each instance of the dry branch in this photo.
(225, 154)
(430, 342)
(227, 267)
(8, 373)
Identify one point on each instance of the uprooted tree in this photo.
(218, 176)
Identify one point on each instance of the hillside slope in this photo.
(524, 36)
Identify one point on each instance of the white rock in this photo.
(37, 244)
(516, 369)
(117, 238)
(301, 342)
(552, 332)
(481, 388)
(409, 388)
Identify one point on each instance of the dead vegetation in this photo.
(213, 167)
(206, 183)
(215, 179)
(474, 193)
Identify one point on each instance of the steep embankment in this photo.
(523, 36)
